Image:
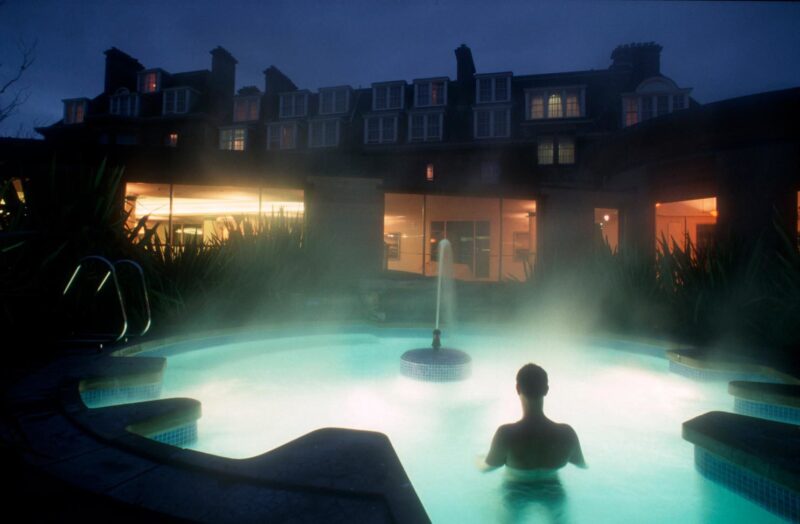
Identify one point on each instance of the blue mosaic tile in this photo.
(762, 491)
(96, 398)
(768, 411)
(714, 374)
(180, 436)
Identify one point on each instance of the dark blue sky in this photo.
(721, 50)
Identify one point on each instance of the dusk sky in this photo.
(721, 50)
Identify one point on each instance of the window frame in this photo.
(555, 151)
(249, 98)
(280, 126)
(387, 85)
(190, 94)
(233, 130)
(69, 117)
(380, 118)
(492, 125)
(140, 81)
(493, 77)
(563, 93)
(428, 82)
(323, 121)
(426, 136)
(333, 91)
(292, 95)
(131, 99)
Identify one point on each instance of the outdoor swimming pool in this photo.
(625, 406)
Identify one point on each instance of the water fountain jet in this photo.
(438, 364)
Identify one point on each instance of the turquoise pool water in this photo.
(625, 406)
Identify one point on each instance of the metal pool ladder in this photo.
(123, 298)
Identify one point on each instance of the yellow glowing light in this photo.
(158, 207)
(714, 213)
(606, 218)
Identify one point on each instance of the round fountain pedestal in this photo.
(436, 365)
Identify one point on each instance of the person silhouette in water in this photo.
(535, 447)
(533, 450)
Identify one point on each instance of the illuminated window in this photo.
(554, 103)
(387, 96)
(172, 140)
(123, 103)
(380, 129)
(554, 108)
(430, 93)
(687, 224)
(491, 123)
(177, 100)
(536, 107)
(429, 172)
(246, 109)
(493, 89)
(334, 100)
(293, 104)
(566, 151)
(282, 135)
(631, 108)
(233, 139)
(573, 105)
(544, 153)
(323, 133)
(75, 111)
(425, 127)
(149, 81)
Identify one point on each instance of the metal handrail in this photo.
(112, 273)
(140, 272)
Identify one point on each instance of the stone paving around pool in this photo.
(328, 475)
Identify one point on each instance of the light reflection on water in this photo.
(627, 410)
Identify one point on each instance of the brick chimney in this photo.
(465, 66)
(276, 82)
(121, 71)
(223, 81)
(643, 59)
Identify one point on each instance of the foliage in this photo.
(731, 296)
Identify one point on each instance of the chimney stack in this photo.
(643, 59)
(121, 71)
(465, 66)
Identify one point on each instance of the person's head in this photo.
(532, 381)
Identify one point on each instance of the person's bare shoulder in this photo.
(576, 453)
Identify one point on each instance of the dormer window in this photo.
(654, 97)
(149, 81)
(334, 100)
(124, 103)
(177, 100)
(75, 110)
(387, 96)
(430, 93)
(493, 89)
(559, 102)
(246, 108)
(293, 104)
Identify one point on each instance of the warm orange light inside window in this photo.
(172, 141)
(429, 173)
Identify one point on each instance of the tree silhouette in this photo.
(12, 95)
